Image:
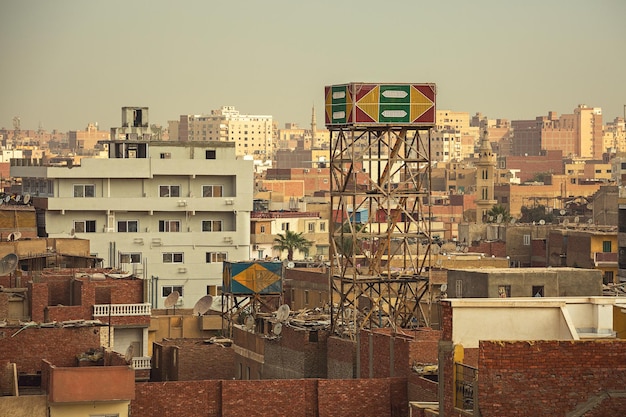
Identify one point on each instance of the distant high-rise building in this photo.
(252, 134)
(578, 134)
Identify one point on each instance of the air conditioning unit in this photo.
(182, 270)
(182, 203)
(228, 239)
(229, 202)
(180, 302)
(255, 247)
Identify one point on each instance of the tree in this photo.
(496, 211)
(290, 242)
(535, 214)
(346, 245)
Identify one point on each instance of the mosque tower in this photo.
(485, 179)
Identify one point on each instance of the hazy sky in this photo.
(66, 63)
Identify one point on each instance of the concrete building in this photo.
(83, 142)
(532, 356)
(524, 282)
(446, 146)
(578, 134)
(251, 134)
(168, 212)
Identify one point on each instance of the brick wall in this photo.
(195, 360)
(303, 397)
(341, 358)
(6, 377)
(58, 345)
(548, 377)
(4, 305)
(177, 399)
(38, 293)
(295, 354)
(421, 389)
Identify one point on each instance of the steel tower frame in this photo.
(380, 265)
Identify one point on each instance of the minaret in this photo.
(485, 179)
(313, 128)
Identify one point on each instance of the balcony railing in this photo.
(465, 381)
(605, 257)
(105, 310)
(141, 362)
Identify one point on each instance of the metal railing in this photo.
(465, 380)
(142, 362)
(104, 310)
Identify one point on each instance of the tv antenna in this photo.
(282, 313)
(171, 300)
(8, 264)
(202, 305)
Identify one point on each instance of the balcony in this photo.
(115, 310)
(142, 362)
(605, 259)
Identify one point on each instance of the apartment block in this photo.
(251, 134)
(169, 212)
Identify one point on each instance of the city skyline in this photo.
(70, 63)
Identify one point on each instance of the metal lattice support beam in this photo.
(380, 234)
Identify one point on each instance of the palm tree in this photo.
(496, 211)
(291, 241)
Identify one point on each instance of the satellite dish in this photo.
(26, 198)
(290, 264)
(282, 313)
(444, 287)
(171, 300)
(490, 218)
(8, 264)
(18, 198)
(277, 329)
(72, 232)
(202, 305)
(562, 212)
(499, 218)
(565, 222)
(590, 221)
(7, 199)
(14, 236)
(542, 222)
(129, 353)
(249, 323)
(513, 220)
(576, 219)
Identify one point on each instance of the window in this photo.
(262, 229)
(306, 297)
(129, 226)
(130, 258)
(284, 226)
(173, 258)
(213, 290)
(168, 289)
(526, 240)
(211, 225)
(169, 190)
(214, 257)
(606, 246)
(311, 227)
(212, 191)
(504, 291)
(169, 225)
(537, 291)
(607, 278)
(85, 226)
(322, 226)
(84, 190)
(166, 155)
(459, 288)
(210, 154)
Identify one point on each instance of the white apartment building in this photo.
(445, 145)
(252, 134)
(171, 212)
